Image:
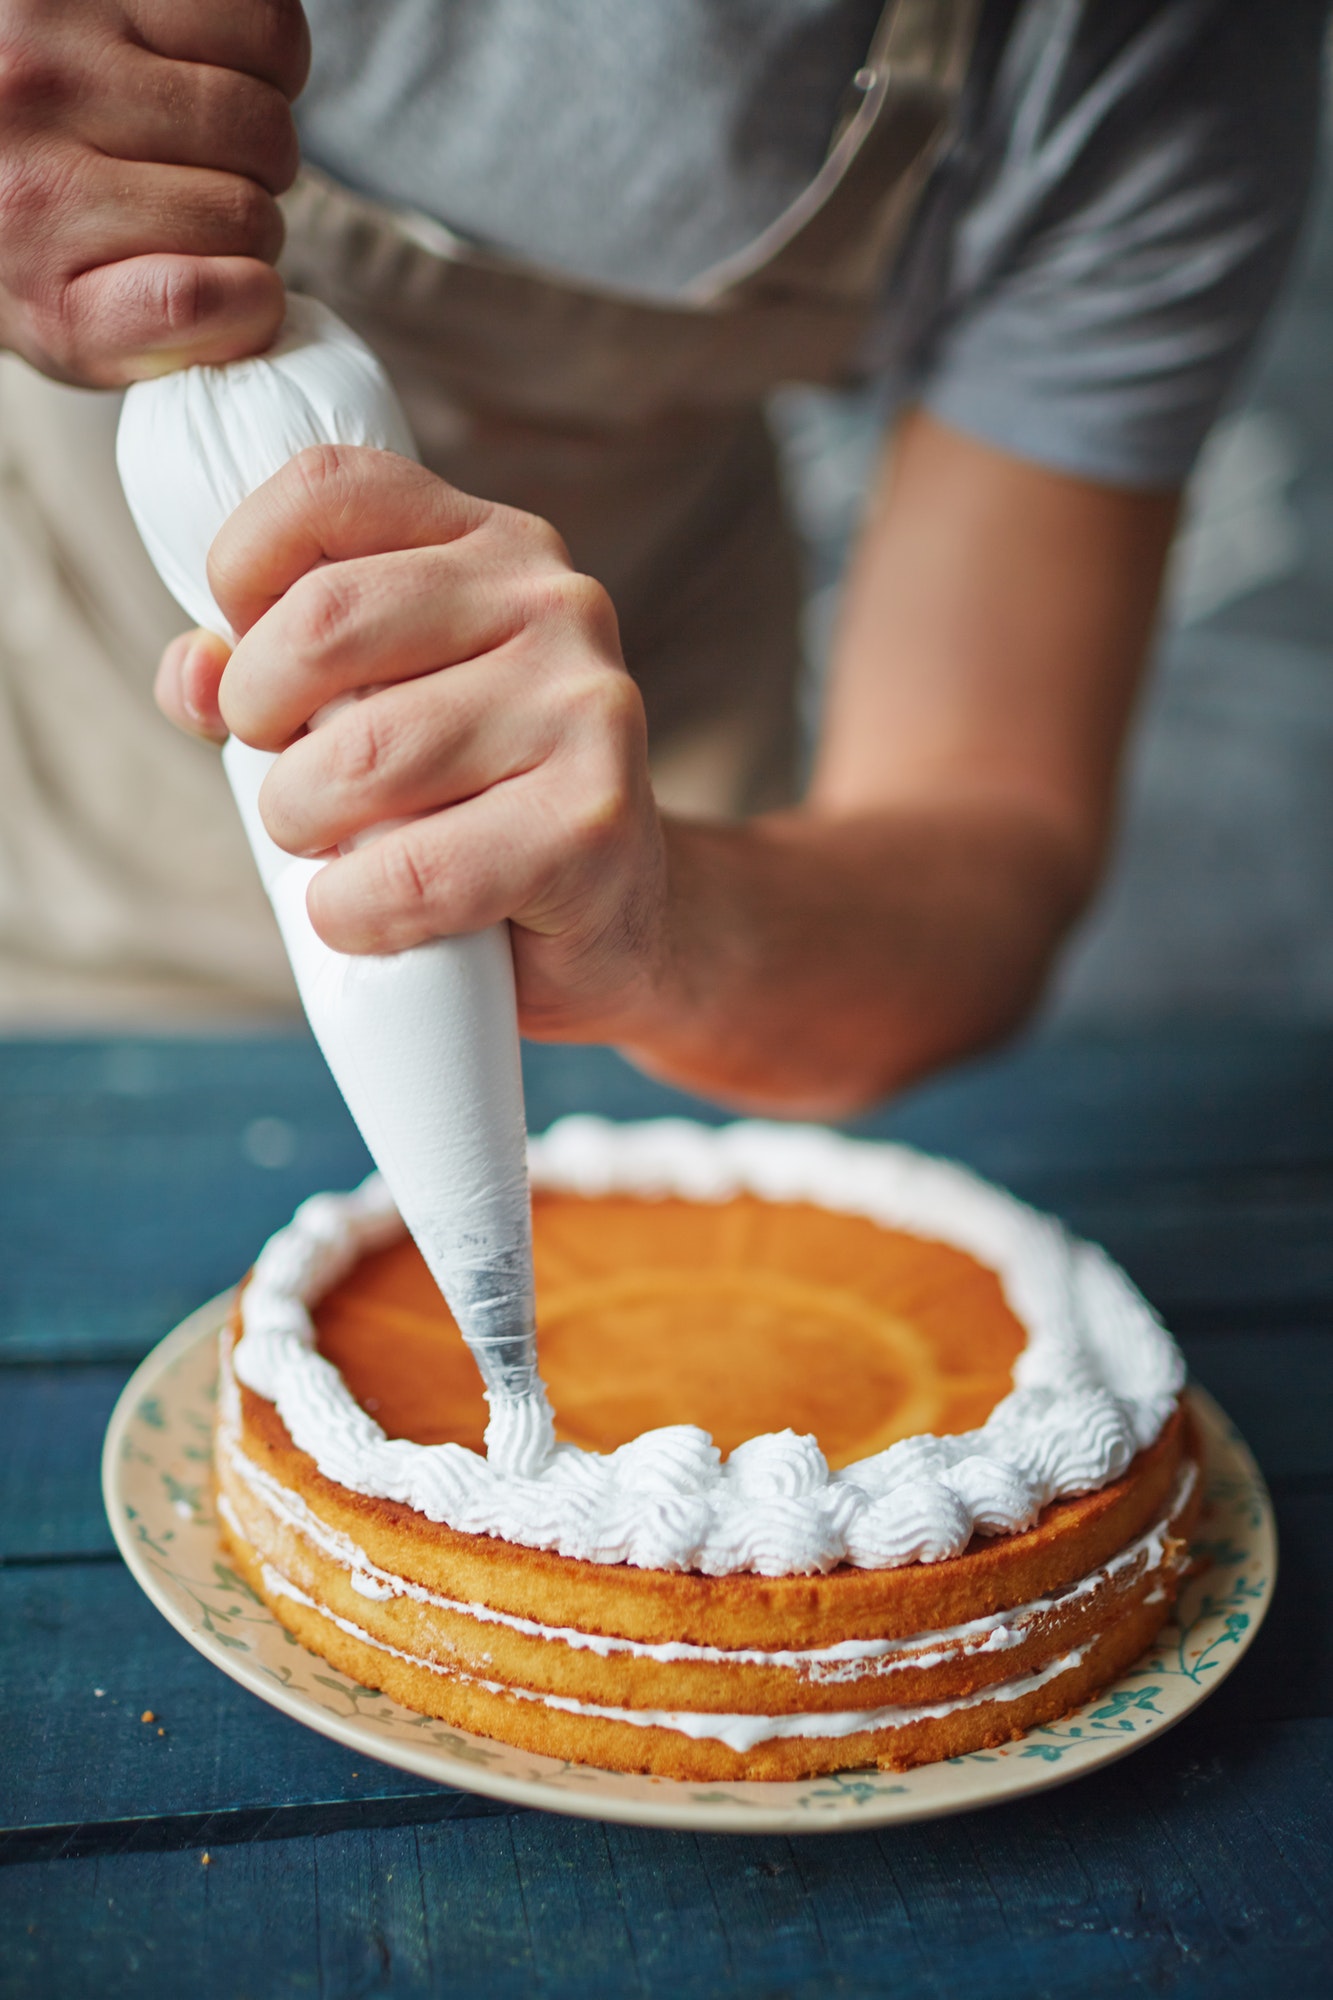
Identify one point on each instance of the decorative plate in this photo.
(157, 1483)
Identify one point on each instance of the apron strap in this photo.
(838, 235)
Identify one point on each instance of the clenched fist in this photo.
(142, 144)
(501, 731)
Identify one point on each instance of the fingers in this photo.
(186, 687)
(536, 845)
(407, 750)
(142, 210)
(353, 625)
(146, 139)
(440, 877)
(192, 115)
(106, 266)
(330, 504)
(267, 39)
(148, 315)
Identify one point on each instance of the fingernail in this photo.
(188, 701)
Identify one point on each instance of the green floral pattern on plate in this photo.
(156, 1479)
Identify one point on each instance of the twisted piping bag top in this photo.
(423, 1044)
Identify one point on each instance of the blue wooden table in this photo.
(235, 1854)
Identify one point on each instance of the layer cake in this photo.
(860, 1461)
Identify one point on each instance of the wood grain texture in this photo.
(134, 1183)
(50, 1489)
(50, 1496)
(69, 1756)
(1202, 1866)
(1112, 1885)
(137, 1178)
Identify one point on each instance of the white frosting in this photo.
(848, 1660)
(1095, 1383)
(738, 1732)
(423, 1044)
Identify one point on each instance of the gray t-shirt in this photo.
(1091, 260)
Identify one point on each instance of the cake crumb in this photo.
(161, 1732)
(99, 1692)
(205, 1859)
(148, 1716)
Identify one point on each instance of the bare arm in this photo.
(990, 647)
(808, 961)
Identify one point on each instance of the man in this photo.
(588, 242)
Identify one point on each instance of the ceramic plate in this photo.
(156, 1477)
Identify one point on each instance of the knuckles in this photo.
(363, 747)
(579, 602)
(601, 809)
(604, 781)
(36, 181)
(280, 35)
(531, 534)
(29, 75)
(605, 706)
(247, 222)
(175, 295)
(325, 608)
(319, 476)
(408, 885)
(247, 121)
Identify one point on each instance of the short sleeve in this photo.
(1123, 214)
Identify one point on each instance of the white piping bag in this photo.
(423, 1044)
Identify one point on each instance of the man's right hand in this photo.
(142, 144)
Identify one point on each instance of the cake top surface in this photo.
(739, 1317)
(1094, 1374)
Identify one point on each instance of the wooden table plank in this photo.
(68, 1755)
(1288, 1672)
(1278, 1386)
(1160, 1102)
(50, 1469)
(1201, 1865)
(1175, 1872)
(138, 1178)
(50, 1496)
(1213, 1254)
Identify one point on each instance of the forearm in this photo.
(807, 962)
(812, 963)
(994, 626)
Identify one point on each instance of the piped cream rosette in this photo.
(1095, 1384)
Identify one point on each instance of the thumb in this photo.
(186, 688)
(147, 315)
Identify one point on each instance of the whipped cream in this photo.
(739, 1732)
(847, 1660)
(1095, 1383)
(423, 1044)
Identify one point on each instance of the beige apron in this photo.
(636, 427)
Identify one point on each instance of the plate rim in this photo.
(673, 1813)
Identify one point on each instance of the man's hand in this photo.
(502, 727)
(142, 143)
(994, 627)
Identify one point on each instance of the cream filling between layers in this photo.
(738, 1732)
(1096, 1382)
(848, 1660)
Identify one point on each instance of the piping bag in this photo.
(423, 1044)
